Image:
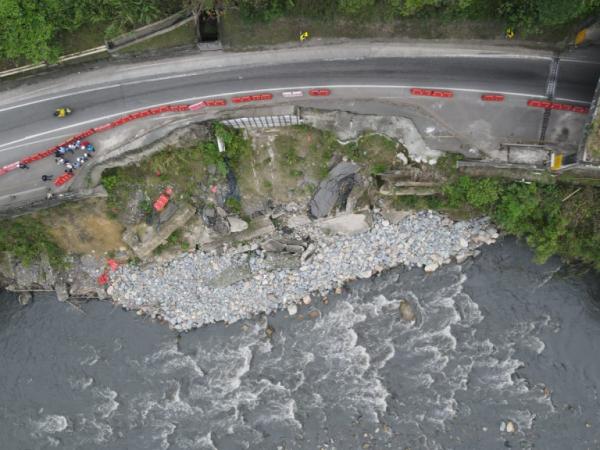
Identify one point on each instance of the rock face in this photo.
(333, 190)
(144, 241)
(347, 224)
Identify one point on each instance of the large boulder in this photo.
(347, 224)
(334, 189)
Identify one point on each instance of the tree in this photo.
(26, 31)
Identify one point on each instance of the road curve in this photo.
(25, 111)
(27, 125)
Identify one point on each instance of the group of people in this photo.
(70, 165)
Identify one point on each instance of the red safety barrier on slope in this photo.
(103, 278)
(63, 179)
(546, 104)
(431, 93)
(492, 97)
(319, 92)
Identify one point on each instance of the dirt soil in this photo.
(83, 227)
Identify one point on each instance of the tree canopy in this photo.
(29, 29)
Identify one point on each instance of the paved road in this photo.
(27, 125)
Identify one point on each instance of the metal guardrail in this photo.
(133, 37)
(62, 59)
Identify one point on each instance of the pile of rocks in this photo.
(204, 287)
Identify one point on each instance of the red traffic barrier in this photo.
(545, 104)
(106, 126)
(216, 102)
(581, 109)
(63, 179)
(252, 98)
(431, 93)
(241, 99)
(197, 106)
(319, 92)
(163, 199)
(492, 97)
(9, 168)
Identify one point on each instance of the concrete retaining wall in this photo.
(149, 31)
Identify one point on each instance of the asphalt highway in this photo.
(27, 124)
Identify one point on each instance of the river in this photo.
(498, 338)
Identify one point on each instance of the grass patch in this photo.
(233, 205)
(89, 36)
(28, 239)
(184, 35)
(175, 240)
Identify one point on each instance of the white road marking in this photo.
(580, 61)
(287, 88)
(566, 100)
(197, 73)
(8, 196)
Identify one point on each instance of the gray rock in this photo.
(25, 298)
(62, 291)
(281, 261)
(230, 276)
(292, 309)
(330, 191)
(348, 224)
(407, 312)
(236, 224)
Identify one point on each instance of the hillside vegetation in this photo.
(34, 31)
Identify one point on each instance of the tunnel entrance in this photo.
(208, 26)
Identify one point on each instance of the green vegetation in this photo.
(592, 144)
(33, 30)
(184, 169)
(175, 240)
(542, 19)
(553, 218)
(28, 239)
(233, 205)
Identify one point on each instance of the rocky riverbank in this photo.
(292, 266)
